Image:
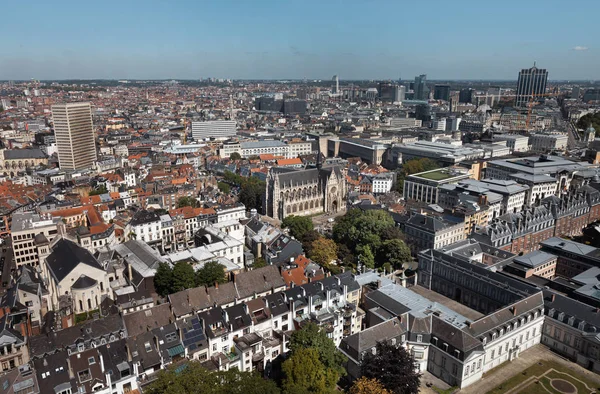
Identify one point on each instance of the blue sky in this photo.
(367, 39)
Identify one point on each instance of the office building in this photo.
(388, 91)
(425, 186)
(215, 129)
(31, 235)
(421, 91)
(294, 107)
(466, 95)
(591, 95)
(74, 133)
(532, 82)
(441, 92)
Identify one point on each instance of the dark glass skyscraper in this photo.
(532, 82)
(441, 92)
(421, 91)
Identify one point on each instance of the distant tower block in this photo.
(590, 134)
(336, 88)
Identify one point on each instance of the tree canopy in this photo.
(413, 166)
(163, 279)
(252, 189)
(371, 236)
(313, 336)
(393, 367)
(194, 379)
(224, 187)
(100, 190)
(183, 276)
(305, 373)
(297, 225)
(211, 273)
(235, 156)
(323, 251)
(186, 201)
(368, 386)
(169, 280)
(589, 119)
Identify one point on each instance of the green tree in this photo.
(183, 276)
(358, 229)
(396, 252)
(224, 187)
(307, 240)
(589, 120)
(305, 373)
(259, 262)
(323, 251)
(367, 258)
(235, 156)
(393, 366)
(163, 279)
(298, 225)
(194, 379)
(186, 201)
(313, 336)
(99, 190)
(413, 166)
(211, 273)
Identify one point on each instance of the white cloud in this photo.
(580, 48)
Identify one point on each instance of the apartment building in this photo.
(29, 233)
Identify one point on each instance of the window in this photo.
(148, 347)
(419, 338)
(91, 360)
(454, 369)
(443, 362)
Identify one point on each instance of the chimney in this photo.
(216, 285)
(378, 283)
(553, 297)
(514, 311)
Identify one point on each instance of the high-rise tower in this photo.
(532, 82)
(421, 91)
(74, 132)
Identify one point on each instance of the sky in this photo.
(280, 39)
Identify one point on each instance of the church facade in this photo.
(303, 192)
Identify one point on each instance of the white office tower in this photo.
(217, 129)
(74, 132)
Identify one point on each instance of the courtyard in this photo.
(537, 370)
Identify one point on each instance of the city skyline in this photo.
(311, 40)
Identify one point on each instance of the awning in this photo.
(176, 350)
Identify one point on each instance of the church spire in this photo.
(319, 161)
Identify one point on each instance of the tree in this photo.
(194, 379)
(323, 251)
(391, 233)
(358, 229)
(259, 262)
(235, 156)
(186, 201)
(313, 336)
(393, 366)
(413, 166)
(305, 373)
(307, 240)
(396, 252)
(368, 386)
(589, 120)
(211, 273)
(183, 276)
(298, 225)
(224, 187)
(367, 258)
(100, 190)
(163, 279)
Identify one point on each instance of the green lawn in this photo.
(538, 370)
(437, 175)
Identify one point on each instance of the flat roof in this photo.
(441, 174)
